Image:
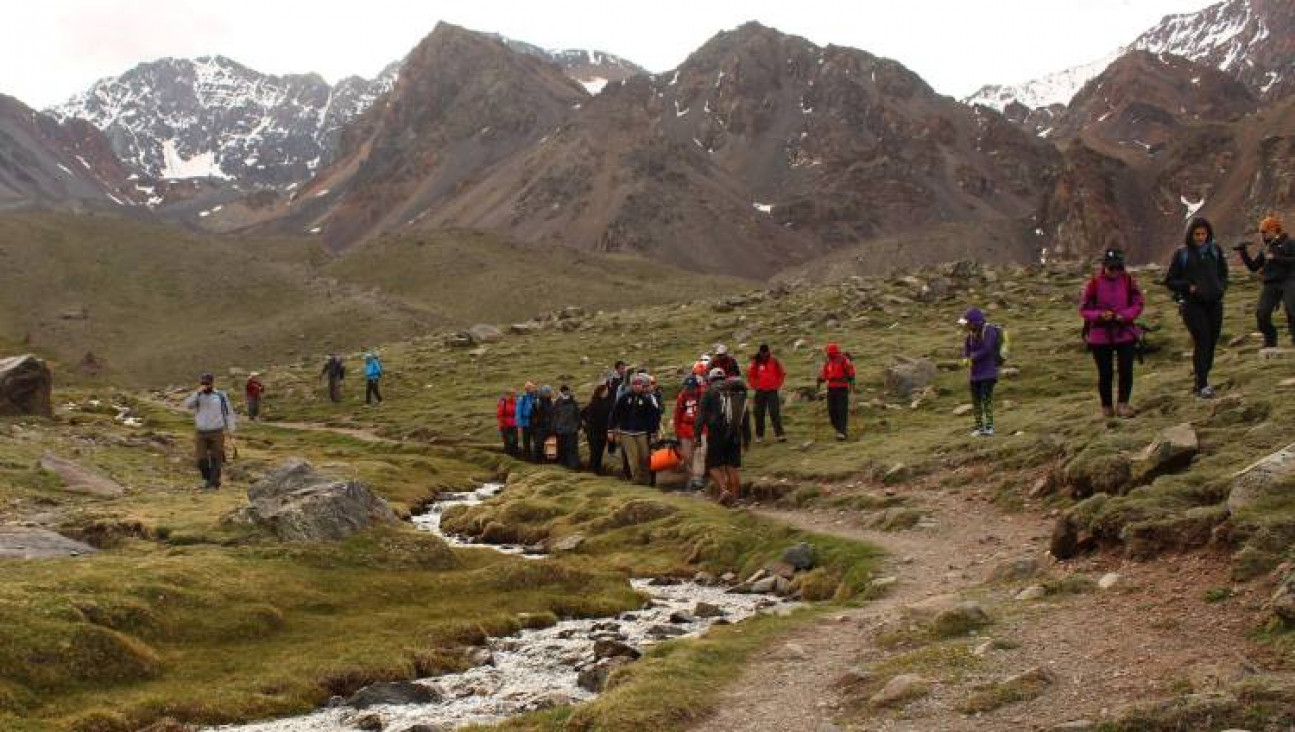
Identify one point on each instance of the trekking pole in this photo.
(233, 446)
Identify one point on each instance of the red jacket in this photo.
(506, 413)
(685, 414)
(766, 376)
(837, 371)
(254, 388)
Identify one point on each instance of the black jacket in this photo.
(1205, 268)
(542, 416)
(636, 414)
(566, 416)
(596, 415)
(1278, 263)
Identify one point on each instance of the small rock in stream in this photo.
(682, 617)
(393, 693)
(707, 610)
(608, 648)
(594, 678)
(665, 631)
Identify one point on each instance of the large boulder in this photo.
(299, 504)
(1283, 600)
(1173, 449)
(18, 542)
(1262, 479)
(908, 376)
(24, 387)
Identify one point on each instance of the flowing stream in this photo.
(534, 669)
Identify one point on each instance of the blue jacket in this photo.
(525, 405)
(372, 368)
(636, 414)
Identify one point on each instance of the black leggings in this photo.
(768, 401)
(1204, 321)
(1106, 357)
(597, 446)
(838, 408)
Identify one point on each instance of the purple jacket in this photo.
(1119, 295)
(981, 349)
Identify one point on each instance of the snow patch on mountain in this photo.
(1055, 88)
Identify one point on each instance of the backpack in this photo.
(1210, 249)
(724, 424)
(1002, 344)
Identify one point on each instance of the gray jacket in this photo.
(211, 412)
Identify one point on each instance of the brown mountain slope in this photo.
(761, 151)
(47, 163)
(463, 102)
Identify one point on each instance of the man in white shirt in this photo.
(213, 417)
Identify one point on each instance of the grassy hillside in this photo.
(156, 304)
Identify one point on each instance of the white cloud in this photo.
(56, 48)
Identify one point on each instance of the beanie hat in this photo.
(833, 349)
(721, 349)
(1113, 259)
(1271, 224)
(206, 379)
(546, 391)
(973, 316)
(717, 375)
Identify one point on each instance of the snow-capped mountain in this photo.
(592, 69)
(1251, 40)
(211, 117)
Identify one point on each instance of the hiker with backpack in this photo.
(566, 426)
(722, 416)
(506, 414)
(542, 426)
(1110, 305)
(634, 424)
(1277, 261)
(335, 372)
(213, 420)
(838, 373)
(685, 430)
(372, 375)
(767, 376)
(724, 360)
(595, 416)
(526, 408)
(1198, 277)
(253, 391)
(982, 351)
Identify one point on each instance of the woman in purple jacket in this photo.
(1112, 302)
(981, 352)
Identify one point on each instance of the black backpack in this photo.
(725, 423)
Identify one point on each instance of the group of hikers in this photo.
(710, 420)
(625, 413)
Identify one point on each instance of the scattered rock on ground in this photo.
(1017, 570)
(901, 689)
(19, 542)
(1033, 592)
(25, 387)
(1108, 580)
(80, 480)
(1172, 449)
(707, 610)
(568, 543)
(484, 333)
(594, 678)
(909, 375)
(610, 648)
(1261, 479)
(299, 504)
(800, 557)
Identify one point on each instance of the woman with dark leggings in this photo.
(1111, 304)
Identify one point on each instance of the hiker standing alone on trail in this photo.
(1278, 265)
(372, 375)
(766, 376)
(212, 418)
(981, 349)
(506, 414)
(1198, 277)
(838, 374)
(634, 424)
(335, 372)
(1111, 302)
(253, 391)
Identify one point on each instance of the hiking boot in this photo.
(1108, 412)
(1206, 392)
(759, 438)
(782, 438)
(726, 499)
(987, 432)
(841, 436)
(1123, 411)
(978, 432)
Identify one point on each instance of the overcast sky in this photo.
(55, 48)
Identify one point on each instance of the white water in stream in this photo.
(534, 669)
